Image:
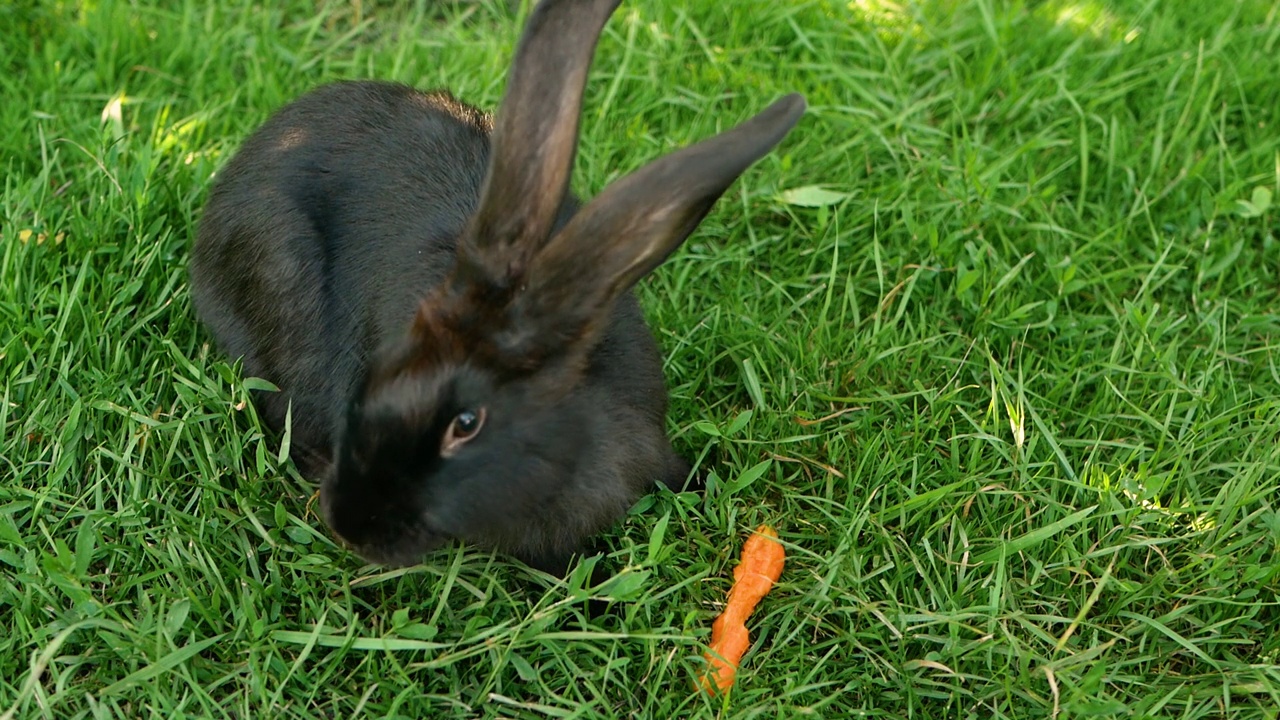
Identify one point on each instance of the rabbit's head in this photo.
(480, 425)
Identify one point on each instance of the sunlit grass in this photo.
(1089, 16)
(889, 19)
(993, 338)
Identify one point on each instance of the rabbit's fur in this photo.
(456, 337)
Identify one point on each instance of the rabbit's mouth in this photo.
(384, 534)
(396, 552)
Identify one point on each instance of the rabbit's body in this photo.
(340, 203)
(457, 339)
(372, 222)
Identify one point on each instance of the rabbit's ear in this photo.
(534, 139)
(629, 229)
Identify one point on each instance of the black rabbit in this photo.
(457, 337)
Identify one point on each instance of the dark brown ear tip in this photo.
(796, 99)
(568, 23)
(789, 108)
(548, 5)
(771, 125)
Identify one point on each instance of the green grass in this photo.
(1016, 391)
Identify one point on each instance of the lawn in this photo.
(993, 338)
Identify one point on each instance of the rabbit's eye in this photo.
(465, 425)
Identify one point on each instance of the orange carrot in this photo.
(760, 568)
